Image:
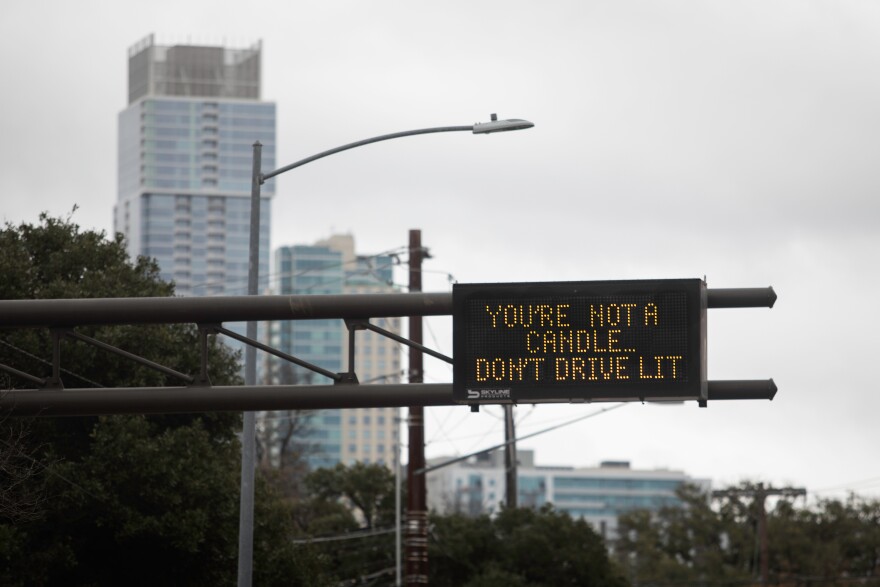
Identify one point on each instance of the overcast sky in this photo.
(739, 141)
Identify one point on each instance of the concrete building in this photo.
(596, 494)
(331, 266)
(184, 163)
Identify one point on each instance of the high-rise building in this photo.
(185, 152)
(331, 267)
(596, 494)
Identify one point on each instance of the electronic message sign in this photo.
(579, 341)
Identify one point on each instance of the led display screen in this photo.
(570, 341)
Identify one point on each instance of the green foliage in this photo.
(833, 539)
(702, 542)
(55, 259)
(350, 513)
(368, 489)
(124, 500)
(676, 544)
(518, 547)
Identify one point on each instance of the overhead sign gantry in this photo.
(528, 342)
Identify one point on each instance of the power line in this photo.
(277, 276)
(347, 536)
(871, 482)
(426, 470)
(362, 578)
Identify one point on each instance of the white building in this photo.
(596, 494)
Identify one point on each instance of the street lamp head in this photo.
(496, 125)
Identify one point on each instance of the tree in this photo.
(129, 500)
(538, 548)
(283, 436)
(367, 489)
(282, 447)
(698, 542)
(346, 518)
(685, 542)
(833, 539)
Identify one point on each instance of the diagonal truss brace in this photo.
(354, 324)
(38, 381)
(336, 377)
(58, 334)
(203, 378)
(69, 333)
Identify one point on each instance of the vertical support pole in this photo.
(248, 432)
(703, 400)
(56, 359)
(204, 331)
(761, 503)
(398, 574)
(510, 469)
(351, 349)
(416, 539)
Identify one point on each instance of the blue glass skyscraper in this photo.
(185, 143)
(331, 266)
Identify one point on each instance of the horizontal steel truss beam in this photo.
(154, 400)
(216, 310)
(61, 316)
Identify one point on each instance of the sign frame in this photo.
(473, 305)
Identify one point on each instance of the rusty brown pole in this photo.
(416, 535)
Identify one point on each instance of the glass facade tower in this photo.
(331, 267)
(184, 163)
(596, 494)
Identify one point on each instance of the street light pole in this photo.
(248, 437)
(248, 443)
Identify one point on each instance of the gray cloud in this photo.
(673, 139)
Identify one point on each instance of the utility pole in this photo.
(510, 461)
(759, 495)
(416, 535)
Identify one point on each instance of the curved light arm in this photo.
(248, 443)
(478, 128)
